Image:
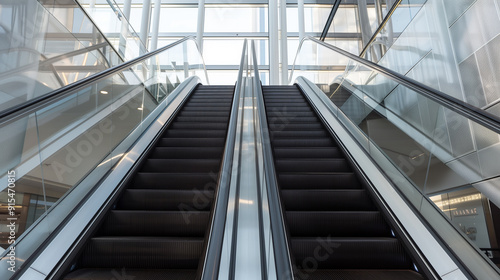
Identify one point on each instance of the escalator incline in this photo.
(158, 227)
(334, 229)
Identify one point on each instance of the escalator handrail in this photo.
(473, 113)
(278, 232)
(211, 263)
(36, 103)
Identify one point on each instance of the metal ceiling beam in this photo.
(330, 20)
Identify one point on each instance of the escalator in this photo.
(158, 226)
(334, 227)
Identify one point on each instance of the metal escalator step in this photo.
(287, 104)
(205, 105)
(327, 200)
(337, 223)
(293, 126)
(280, 114)
(156, 223)
(299, 134)
(143, 252)
(191, 142)
(127, 273)
(352, 252)
(187, 152)
(209, 100)
(312, 142)
(203, 114)
(318, 181)
(307, 152)
(202, 119)
(357, 274)
(181, 165)
(194, 133)
(165, 200)
(295, 120)
(312, 165)
(198, 125)
(175, 181)
(288, 109)
(206, 108)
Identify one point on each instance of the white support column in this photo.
(283, 43)
(201, 24)
(302, 28)
(124, 28)
(127, 4)
(146, 19)
(156, 25)
(273, 43)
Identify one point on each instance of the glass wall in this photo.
(45, 47)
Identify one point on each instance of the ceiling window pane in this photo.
(235, 19)
(178, 19)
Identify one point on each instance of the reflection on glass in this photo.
(58, 46)
(53, 150)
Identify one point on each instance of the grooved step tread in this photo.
(326, 200)
(173, 181)
(357, 274)
(352, 252)
(183, 222)
(125, 273)
(164, 200)
(143, 252)
(337, 223)
(187, 152)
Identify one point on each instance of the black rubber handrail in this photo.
(475, 114)
(36, 103)
(380, 27)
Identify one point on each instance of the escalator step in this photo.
(197, 125)
(191, 142)
(187, 152)
(202, 119)
(318, 181)
(352, 252)
(312, 142)
(356, 274)
(175, 181)
(295, 120)
(194, 133)
(203, 114)
(156, 223)
(165, 200)
(126, 274)
(312, 165)
(319, 152)
(181, 165)
(337, 223)
(206, 108)
(327, 200)
(143, 252)
(280, 114)
(299, 134)
(292, 126)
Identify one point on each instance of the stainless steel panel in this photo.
(488, 58)
(471, 80)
